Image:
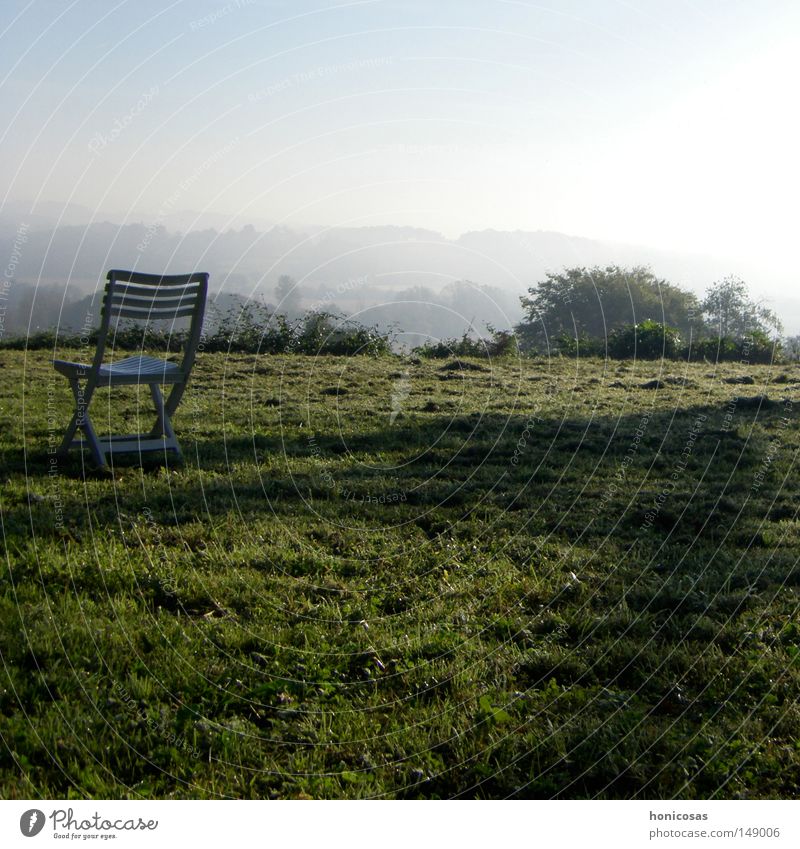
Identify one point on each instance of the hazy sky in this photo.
(673, 124)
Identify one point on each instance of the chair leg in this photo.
(162, 429)
(80, 420)
(69, 434)
(74, 423)
(94, 443)
(163, 425)
(158, 402)
(174, 398)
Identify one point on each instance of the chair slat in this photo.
(138, 290)
(153, 303)
(154, 279)
(118, 311)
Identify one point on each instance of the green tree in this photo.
(592, 303)
(730, 312)
(647, 340)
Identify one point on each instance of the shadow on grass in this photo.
(563, 469)
(598, 648)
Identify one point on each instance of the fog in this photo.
(414, 281)
(409, 146)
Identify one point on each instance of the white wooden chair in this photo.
(145, 297)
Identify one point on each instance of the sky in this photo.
(673, 125)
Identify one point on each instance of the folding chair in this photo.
(146, 297)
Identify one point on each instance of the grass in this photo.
(401, 578)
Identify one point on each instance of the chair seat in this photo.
(130, 370)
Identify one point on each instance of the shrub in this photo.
(760, 348)
(445, 348)
(323, 333)
(648, 340)
(35, 341)
(757, 347)
(253, 329)
(721, 349)
(578, 346)
(501, 343)
(250, 330)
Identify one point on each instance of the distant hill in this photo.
(349, 269)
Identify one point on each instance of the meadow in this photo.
(380, 576)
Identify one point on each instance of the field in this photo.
(385, 577)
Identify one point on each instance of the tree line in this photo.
(611, 312)
(624, 313)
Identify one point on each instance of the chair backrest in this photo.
(154, 297)
(131, 294)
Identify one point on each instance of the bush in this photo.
(760, 348)
(721, 349)
(253, 329)
(501, 343)
(35, 342)
(757, 347)
(580, 346)
(322, 333)
(445, 348)
(648, 340)
(250, 330)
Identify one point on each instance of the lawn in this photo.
(385, 577)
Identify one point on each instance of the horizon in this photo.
(332, 262)
(696, 263)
